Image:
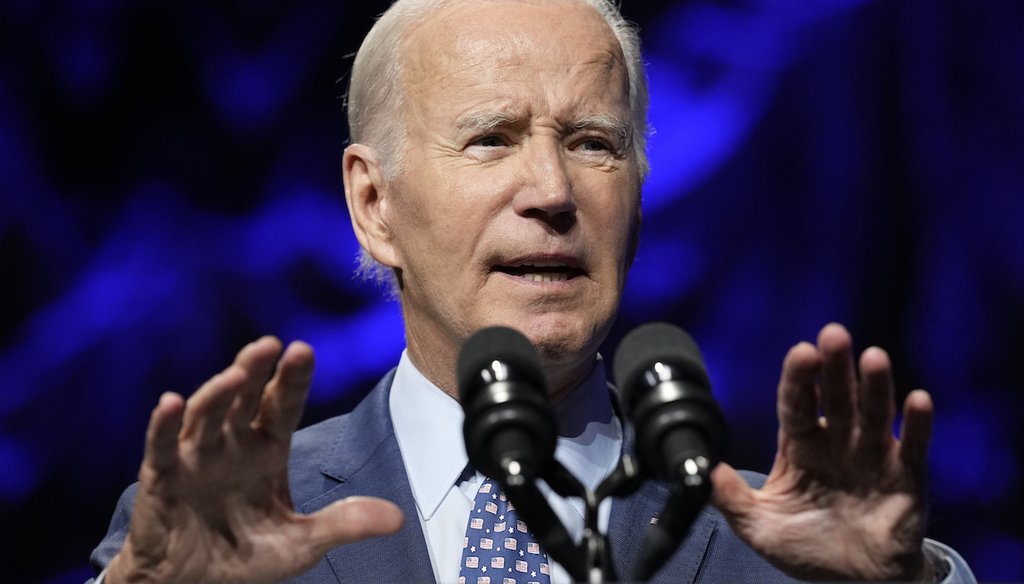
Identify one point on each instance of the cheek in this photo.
(437, 228)
(618, 220)
(462, 206)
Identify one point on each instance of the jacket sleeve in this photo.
(958, 570)
(116, 533)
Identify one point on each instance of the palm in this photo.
(844, 499)
(213, 503)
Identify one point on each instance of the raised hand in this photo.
(213, 503)
(844, 499)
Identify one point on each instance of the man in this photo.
(495, 172)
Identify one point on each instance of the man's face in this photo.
(518, 198)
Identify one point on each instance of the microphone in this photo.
(680, 431)
(509, 429)
(666, 393)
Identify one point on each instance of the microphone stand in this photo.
(590, 560)
(536, 512)
(685, 501)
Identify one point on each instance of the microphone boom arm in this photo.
(538, 515)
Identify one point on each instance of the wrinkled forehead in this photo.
(474, 42)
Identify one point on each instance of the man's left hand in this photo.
(844, 499)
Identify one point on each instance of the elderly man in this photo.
(494, 173)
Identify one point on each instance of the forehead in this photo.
(514, 46)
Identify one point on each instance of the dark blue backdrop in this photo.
(170, 181)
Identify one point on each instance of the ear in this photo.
(366, 194)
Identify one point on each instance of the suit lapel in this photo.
(628, 524)
(627, 527)
(365, 461)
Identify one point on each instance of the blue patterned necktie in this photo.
(498, 548)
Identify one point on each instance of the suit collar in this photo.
(367, 427)
(365, 460)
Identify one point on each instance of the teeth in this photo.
(544, 265)
(547, 277)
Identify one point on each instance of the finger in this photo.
(258, 360)
(353, 519)
(797, 402)
(730, 494)
(161, 455)
(285, 395)
(838, 381)
(877, 408)
(916, 430)
(206, 409)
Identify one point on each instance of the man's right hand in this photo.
(213, 503)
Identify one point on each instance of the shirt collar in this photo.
(428, 427)
(590, 435)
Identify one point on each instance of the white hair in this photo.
(375, 99)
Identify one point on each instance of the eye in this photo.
(491, 141)
(594, 145)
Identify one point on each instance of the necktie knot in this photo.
(498, 547)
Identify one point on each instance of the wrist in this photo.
(926, 575)
(114, 574)
(118, 573)
(935, 567)
(122, 570)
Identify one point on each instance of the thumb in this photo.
(730, 493)
(353, 519)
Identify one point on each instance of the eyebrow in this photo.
(606, 123)
(487, 121)
(483, 122)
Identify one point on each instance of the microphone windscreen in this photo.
(497, 344)
(653, 343)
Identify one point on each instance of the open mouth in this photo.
(538, 271)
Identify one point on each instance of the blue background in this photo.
(171, 189)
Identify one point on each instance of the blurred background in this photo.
(171, 189)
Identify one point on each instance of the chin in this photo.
(562, 340)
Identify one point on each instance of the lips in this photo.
(542, 269)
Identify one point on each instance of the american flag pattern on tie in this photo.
(498, 548)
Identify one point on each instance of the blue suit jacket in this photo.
(357, 454)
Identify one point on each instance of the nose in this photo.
(546, 189)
